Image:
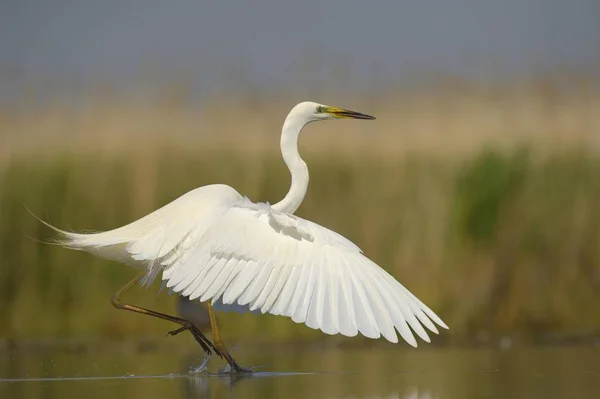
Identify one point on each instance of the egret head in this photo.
(311, 111)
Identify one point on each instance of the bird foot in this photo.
(199, 337)
(232, 366)
(234, 369)
(179, 330)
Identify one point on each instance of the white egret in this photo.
(213, 244)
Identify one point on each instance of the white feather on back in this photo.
(157, 238)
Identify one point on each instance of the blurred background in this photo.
(478, 186)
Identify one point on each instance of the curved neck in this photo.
(298, 169)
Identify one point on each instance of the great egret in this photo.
(215, 245)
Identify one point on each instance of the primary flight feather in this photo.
(213, 244)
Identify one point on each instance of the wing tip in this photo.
(442, 324)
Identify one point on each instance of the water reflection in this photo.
(412, 394)
(205, 387)
(132, 370)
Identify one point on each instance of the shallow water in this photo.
(143, 370)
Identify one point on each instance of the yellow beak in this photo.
(345, 113)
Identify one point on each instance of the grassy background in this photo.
(482, 199)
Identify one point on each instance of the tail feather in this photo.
(104, 244)
(141, 244)
(64, 238)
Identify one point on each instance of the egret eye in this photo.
(320, 110)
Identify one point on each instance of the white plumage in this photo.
(214, 244)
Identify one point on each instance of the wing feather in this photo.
(265, 290)
(241, 282)
(300, 289)
(257, 259)
(196, 289)
(282, 278)
(346, 314)
(330, 306)
(204, 264)
(183, 279)
(314, 313)
(219, 281)
(253, 291)
(306, 294)
(290, 281)
(237, 267)
(365, 320)
(380, 318)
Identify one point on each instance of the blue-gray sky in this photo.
(268, 41)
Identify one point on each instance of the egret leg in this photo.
(219, 342)
(186, 325)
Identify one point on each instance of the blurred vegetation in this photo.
(483, 201)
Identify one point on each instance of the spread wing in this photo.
(252, 256)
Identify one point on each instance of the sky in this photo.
(268, 43)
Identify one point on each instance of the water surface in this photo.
(148, 370)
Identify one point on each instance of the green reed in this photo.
(497, 240)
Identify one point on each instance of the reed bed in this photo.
(483, 200)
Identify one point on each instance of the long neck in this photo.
(298, 169)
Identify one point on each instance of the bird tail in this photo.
(105, 244)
